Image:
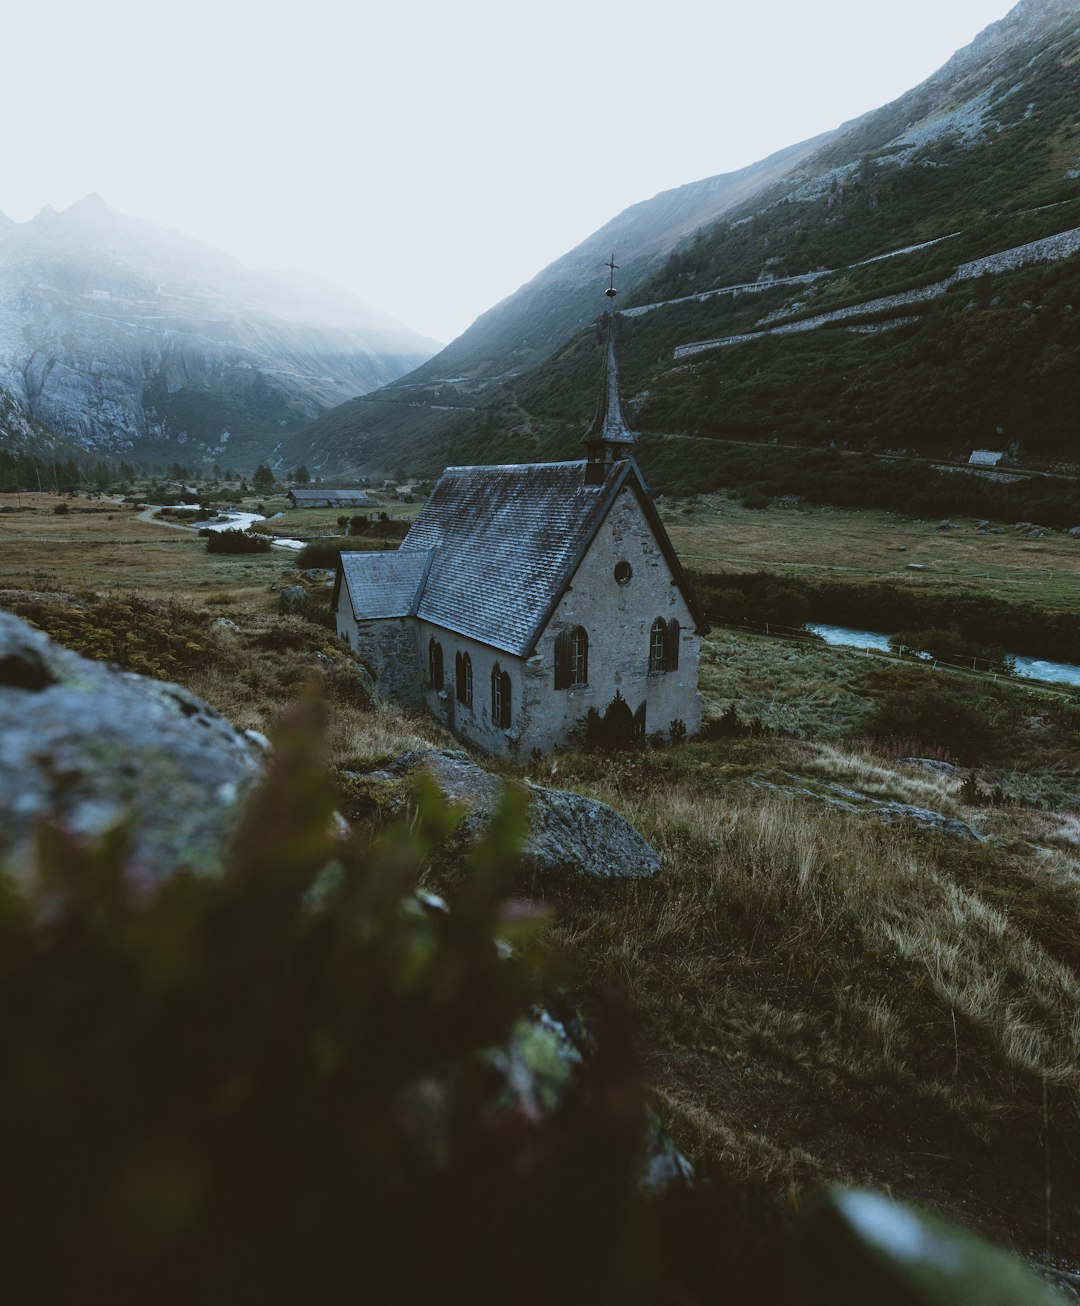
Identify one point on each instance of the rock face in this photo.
(566, 831)
(86, 746)
(121, 335)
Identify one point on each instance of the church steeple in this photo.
(608, 438)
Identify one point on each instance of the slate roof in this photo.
(506, 541)
(384, 584)
(358, 497)
(608, 424)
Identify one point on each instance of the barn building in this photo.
(525, 595)
(331, 499)
(985, 458)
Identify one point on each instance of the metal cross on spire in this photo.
(611, 292)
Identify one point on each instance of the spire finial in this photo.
(608, 438)
(611, 292)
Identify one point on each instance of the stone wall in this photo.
(618, 619)
(475, 723)
(388, 646)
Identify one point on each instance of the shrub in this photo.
(282, 1076)
(60, 508)
(725, 726)
(322, 553)
(951, 646)
(236, 541)
(936, 716)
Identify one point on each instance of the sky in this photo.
(431, 157)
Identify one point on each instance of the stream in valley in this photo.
(1064, 673)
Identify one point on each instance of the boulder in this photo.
(566, 831)
(929, 764)
(85, 746)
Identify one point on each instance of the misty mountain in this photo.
(550, 309)
(22, 434)
(128, 338)
(912, 282)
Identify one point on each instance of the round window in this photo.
(623, 572)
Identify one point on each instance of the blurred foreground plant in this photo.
(271, 1085)
(285, 1085)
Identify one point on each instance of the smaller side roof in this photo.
(384, 584)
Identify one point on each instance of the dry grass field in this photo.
(96, 545)
(820, 994)
(321, 523)
(712, 533)
(824, 996)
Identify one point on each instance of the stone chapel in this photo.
(524, 595)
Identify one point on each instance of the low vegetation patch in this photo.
(150, 636)
(237, 541)
(981, 624)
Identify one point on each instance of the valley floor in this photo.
(854, 965)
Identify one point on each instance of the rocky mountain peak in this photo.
(122, 335)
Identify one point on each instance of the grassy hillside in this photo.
(983, 158)
(817, 995)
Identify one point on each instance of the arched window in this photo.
(658, 645)
(463, 675)
(435, 663)
(571, 658)
(664, 645)
(500, 697)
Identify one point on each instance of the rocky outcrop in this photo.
(566, 831)
(887, 811)
(121, 335)
(86, 747)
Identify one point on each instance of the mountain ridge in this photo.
(980, 158)
(128, 337)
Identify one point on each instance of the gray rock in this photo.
(663, 1166)
(566, 831)
(935, 822)
(86, 746)
(887, 811)
(293, 594)
(929, 764)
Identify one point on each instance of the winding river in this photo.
(1064, 673)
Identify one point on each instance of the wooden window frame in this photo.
(571, 658)
(658, 645)
(463, 679)
(578, 663)
(500, 697)
(436, 672)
